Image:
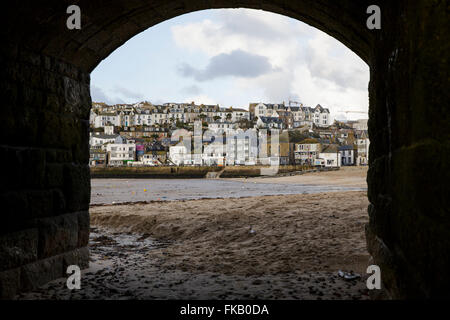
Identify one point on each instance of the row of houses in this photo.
(239, 147)
(144, 134)
(259, 115)
(117, 150)
(147, 114)
(288, 117)
(314, 152)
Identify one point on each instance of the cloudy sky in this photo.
(233, 57)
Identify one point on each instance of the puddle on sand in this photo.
(120, 269)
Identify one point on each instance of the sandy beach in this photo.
(115, 191)
(345, 177)
(267, 247)
(253, 235)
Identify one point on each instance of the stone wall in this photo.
(45, 190)
(408, 234)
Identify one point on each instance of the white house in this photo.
(242, 148)
(180, 154)
(307, 151)
(102, 139)
(106, 118)
(120, 154)
(348, 155)
(149, 159)
(109, 130)
(329, 156)
(223, 127)
(362, 144)
(240, 114)
(268, 110)
(269, 123)
(321, 116)
(214, 154)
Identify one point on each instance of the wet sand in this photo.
(345, 177)
(277, 247)
(113, 191)
(268, 247)
(251, 235)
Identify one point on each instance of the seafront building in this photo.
(144, 134)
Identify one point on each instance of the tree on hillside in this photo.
(179, 124)
(245, 124)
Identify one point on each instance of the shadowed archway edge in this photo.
(106, 25)
(45, 90)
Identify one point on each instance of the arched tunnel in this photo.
(45, 79)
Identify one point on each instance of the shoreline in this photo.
(127, 191)
(188, 250)
(93, 205)
(194, 172)
(310, 224)
(258, 247)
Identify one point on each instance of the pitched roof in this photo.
(309, 141)
(271, 120)
(342, 148)
(105, 136)
(331, 148)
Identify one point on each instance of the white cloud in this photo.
(99, 95)
(307, 64)
(201, 99)
(127, 93)
(237, 63)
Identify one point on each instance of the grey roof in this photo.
(105, 136)
(331, 148)
(271, 120)
(343, 148)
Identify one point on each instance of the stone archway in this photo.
(45, 88)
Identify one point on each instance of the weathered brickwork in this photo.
(45, 190)
(408, 233)
(45, 104)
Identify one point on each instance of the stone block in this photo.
(79, 257)
(52, 103)
(83, 228)
(57, 234)
(40, 272)
(9, 283)
(54, 175)
(40, 203)
(77, 187)
(18, 248)
(50, 130)
(383, 257)
(15, 211)
(378, 178)
(59, 202)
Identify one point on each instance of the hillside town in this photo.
(187, 134)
